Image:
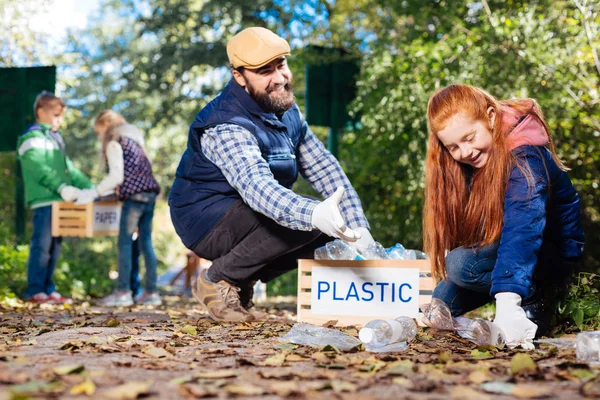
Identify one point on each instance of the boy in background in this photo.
(49, 175)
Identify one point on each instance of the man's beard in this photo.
(276, 105)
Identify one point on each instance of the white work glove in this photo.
(327, 218)
(69, 193)
(364, 241)
(86, 196)
(511, 319)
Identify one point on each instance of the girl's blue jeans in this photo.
(469, 278)
(137, 214)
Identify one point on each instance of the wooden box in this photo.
(348, 313)
(88, 220)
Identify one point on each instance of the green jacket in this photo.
(45, 166)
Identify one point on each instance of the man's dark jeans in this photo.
(246, 246)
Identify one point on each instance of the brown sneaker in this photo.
(246, 295)
(221, 300)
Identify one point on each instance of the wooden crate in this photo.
(88, 220)
(305, 268)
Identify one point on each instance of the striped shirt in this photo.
(235, 151)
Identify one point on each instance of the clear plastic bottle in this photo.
(479, 331)
(375, 251)
(587, 347)
(437, 315)
(336, 250)
(379, 333)
(260, 293)
(396, 252)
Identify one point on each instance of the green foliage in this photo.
(284, 285)
(582, 303)
(13, 268)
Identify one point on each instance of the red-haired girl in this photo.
(499, 200)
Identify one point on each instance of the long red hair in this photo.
(455, 214)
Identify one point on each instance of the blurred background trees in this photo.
(159, 61)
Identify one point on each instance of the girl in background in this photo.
(500, 201)
(130, 176)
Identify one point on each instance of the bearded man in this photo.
(232, 200)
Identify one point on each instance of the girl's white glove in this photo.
(511, 318)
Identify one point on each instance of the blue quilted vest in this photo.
(200, 194)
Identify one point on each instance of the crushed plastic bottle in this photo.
(587, 347)
(559, 343)
(312, 335)
(420, 255)
(379, 333)
(337, 250)
(260, 293)
(396, 252)
(375, 251)
(479, 331)
(437, 315)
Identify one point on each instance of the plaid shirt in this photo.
(234, 150)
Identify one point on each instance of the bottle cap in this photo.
(366, 335)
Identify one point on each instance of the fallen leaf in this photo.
(583, 374)
(285, 346)
(284, 388)
(198, 391)
(522, 363)
(68, 369)
(332, 348)
(217, 374)
(244, 326)
(189, 329)
(339, 386)
(404, 382)
(530, 391)
(294, 358)
(182, 379)
(35, 388)
(128, 391)
(156, 352)
(372, 368)
(480, 355)
(113, 323)
(330, 323)
(591, 389)
(322, 357)
(248, 390)
(403, 368)
(88, 388)
(480, 376)
(276, 360)
(444, 357)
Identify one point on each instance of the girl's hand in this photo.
(511, 318)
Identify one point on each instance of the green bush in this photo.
(581, 306)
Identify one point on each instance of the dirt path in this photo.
(176, 352)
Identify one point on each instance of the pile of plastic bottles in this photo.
(479, 331)
(340, 250)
